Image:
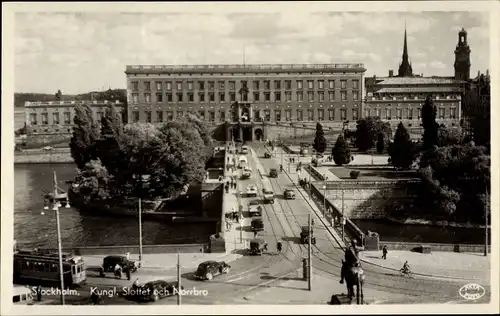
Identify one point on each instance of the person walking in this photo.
(384, 252)
(39, 293)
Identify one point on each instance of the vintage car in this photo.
(257, 246)
(254, 209)
(251, 190)
(109, 263)
(267, 155)
(244, 150)
(268, 196)
(247, 173)
(289, 194)
(208, 269)
(273, 173)
(154, 290)
(305, 235)
(257, 225)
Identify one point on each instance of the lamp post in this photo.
(309, 257)
(55, 207)
(324, 193)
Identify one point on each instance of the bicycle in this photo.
(407, 273)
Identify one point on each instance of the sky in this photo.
(84, 51)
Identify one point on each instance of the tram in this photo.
(42, 266)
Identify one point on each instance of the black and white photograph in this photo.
(267, 157)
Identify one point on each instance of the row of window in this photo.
(55, 118)
(408, 113)
(277, 97)
(37, 266)
(256, 84)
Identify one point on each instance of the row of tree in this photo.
(138, 160)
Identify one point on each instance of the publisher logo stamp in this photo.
(472, 291)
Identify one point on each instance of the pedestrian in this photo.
(39, 293)
(384, 252)
(227, 188)
(254, 234)
(127, 271)
(127, 255)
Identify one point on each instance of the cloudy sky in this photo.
(79, 52)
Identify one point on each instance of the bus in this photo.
(42, 266)
(22, 295)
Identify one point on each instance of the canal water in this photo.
(31, 229)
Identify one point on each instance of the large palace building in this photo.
(399, 98)
(245, 100)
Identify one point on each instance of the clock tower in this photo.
(462, 57)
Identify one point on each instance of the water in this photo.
(31, 229)
(390, 231)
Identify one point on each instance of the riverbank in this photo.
(36, 157)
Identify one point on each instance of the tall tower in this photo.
(462, 57)
(405, 69)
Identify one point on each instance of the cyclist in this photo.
(406, 268)
(279, 246)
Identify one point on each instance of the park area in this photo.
(373, 174)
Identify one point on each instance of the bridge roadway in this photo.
(254, 274)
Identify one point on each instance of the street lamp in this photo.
(53, 199)
(324, 193)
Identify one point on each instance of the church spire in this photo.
(405, 69)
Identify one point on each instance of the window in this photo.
(277, 115)
(300, 115)
(169, 97)
(232, 96)
(267, 96)
(148, 116)
(267, 115)
(367, 112)
(310, 115)
(190, 97)
(321, 96)
(355, 84)
(331, 114)
(310, 84)
(343, 114)
(299, 84)
(159, 116)
(388, 114)
(288, 115)
(135, 85)
(288, 96)
(45, 119)
(222, 85)
(170, 116)
(277, 84)
(343, 84)
(244, 97)
(419, 113)
(222, 97)
(135, 116)
(211, 85)
(67, 118)
(256, 96)
(256, 115)
(232, 85)
(211, 116)
(159, 98)
(147, 97)
(331, 95)
(288, 84)
(331, 84)
(135, 98)
(169, 85)
(354, 114)
(377, 112)
(399, 116)
(310, 95)
(267, 84)
(300, 96)
(211, 96)
(201, 96)
(256, 84)
(355, 95)
(441, 113)
(190, 85)
(410, 114)
(343, 95)
(201, 113)
(277, 96)
(321, 84)
(147, 85)
(222, 115)
(179, 97)
(453, 113)
(179, 85)
(55, 117)
(201, 85)
(321, 115)
(158, 85)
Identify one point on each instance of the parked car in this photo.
(257, 246)
(257, 225)
(208, 269)
(109, 263)
(268, 196)
(154, 290)
(305, 234)
(273, 173)
(251, 190)
(254, 210)
(289, 194)
(244, 150)
(267, 155)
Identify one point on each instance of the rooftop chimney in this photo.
(391, 73)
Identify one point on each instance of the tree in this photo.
(319, 143)
(341, 152)
(380, 143)
(82, 143)
(367, 131)
(477, 113)
(202, 128)
(92, 183)
(58, 95)
(108, 146)
(449, 136)
(402, 151)
(429, 111)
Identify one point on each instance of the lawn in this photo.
(373, 173)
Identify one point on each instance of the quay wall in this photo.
(146, 249)
(34, 157)
(413, 246)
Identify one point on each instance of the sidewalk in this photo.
(439, 264)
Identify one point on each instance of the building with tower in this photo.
(400, 98)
